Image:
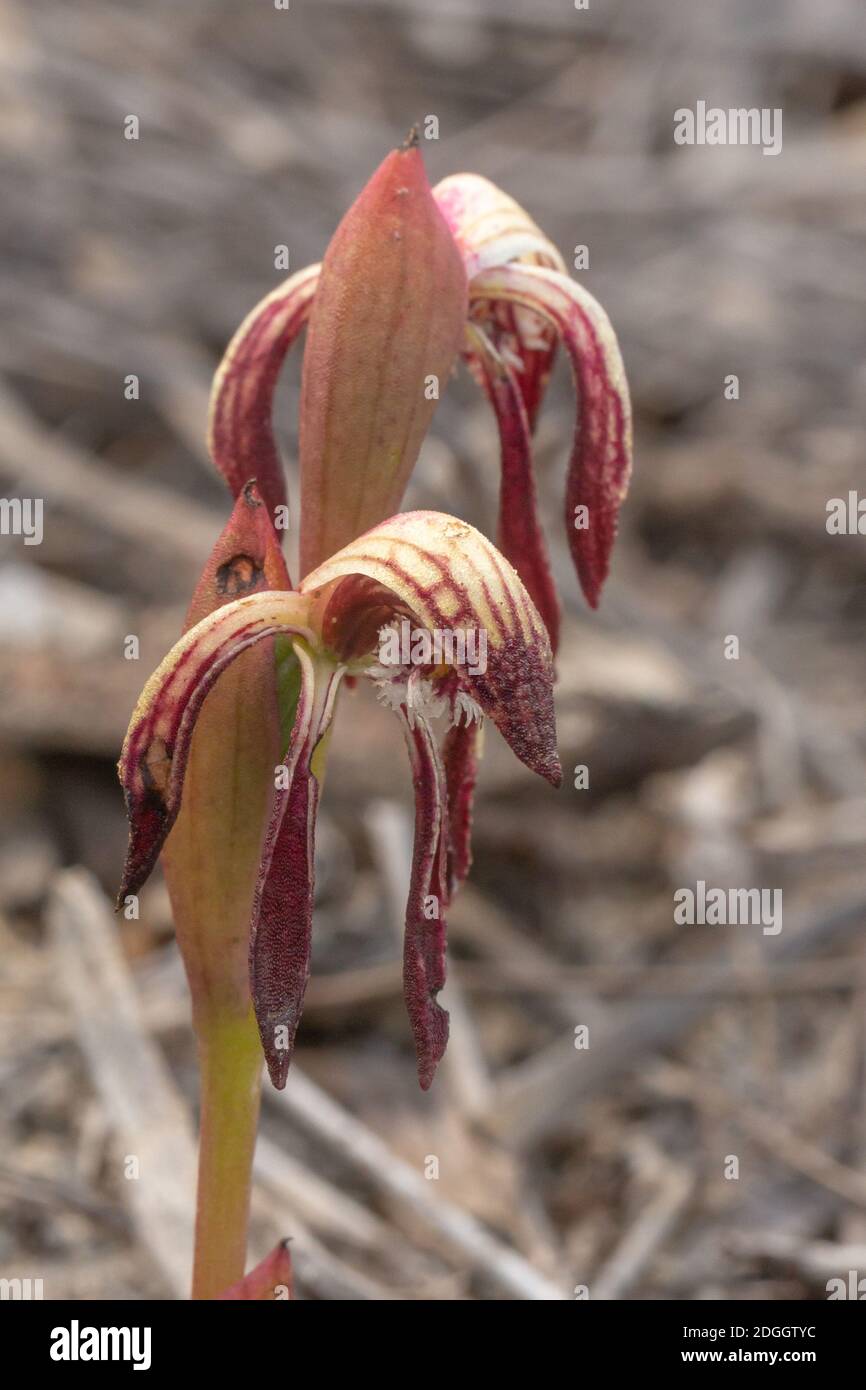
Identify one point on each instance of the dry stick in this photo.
(544, 1092)
(816, 1261)
(837, 973)
(319, 1269)
(640, 1242)
(26, 1190)
(316, 1267)
(366, 1153)
(477, 918)
(765, 1129)
(330, 1211)
(128, 1072)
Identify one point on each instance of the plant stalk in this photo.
(230, 1058)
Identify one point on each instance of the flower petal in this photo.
(491, 229)
(451, 578)
(271, 1279)
(601, 457)
(241, 435)
(281, 925)
(388, 317)
(424, 940)
(156, 748)
(519, 535)
(489, 226)
(460, 754)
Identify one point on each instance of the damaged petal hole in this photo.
(238, 576)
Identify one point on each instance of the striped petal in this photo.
(241, 433)
(281, 926)
(600, 464)
(453, 579)
(491, 229)
(519, 534)
(155, 751)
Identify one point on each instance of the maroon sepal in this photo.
(424, 941)
(282, 915)
(519, 533)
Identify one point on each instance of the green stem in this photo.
(231, 1079)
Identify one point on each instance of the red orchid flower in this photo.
(520, 303)
(436, 574)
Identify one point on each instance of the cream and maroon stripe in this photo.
(240, 431)
(451, 577)
(445, 571)
(156, 748)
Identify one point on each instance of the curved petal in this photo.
(240, 432)
(519, 535)
(282, 916)
(454, 580)
(600, 464)
(155, 750)
(491, 229)
(425, 934)
(489, 226)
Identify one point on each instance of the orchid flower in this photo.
(224, 760)
(520, 304)
(436, 574)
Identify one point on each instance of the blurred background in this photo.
(710, 1140)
